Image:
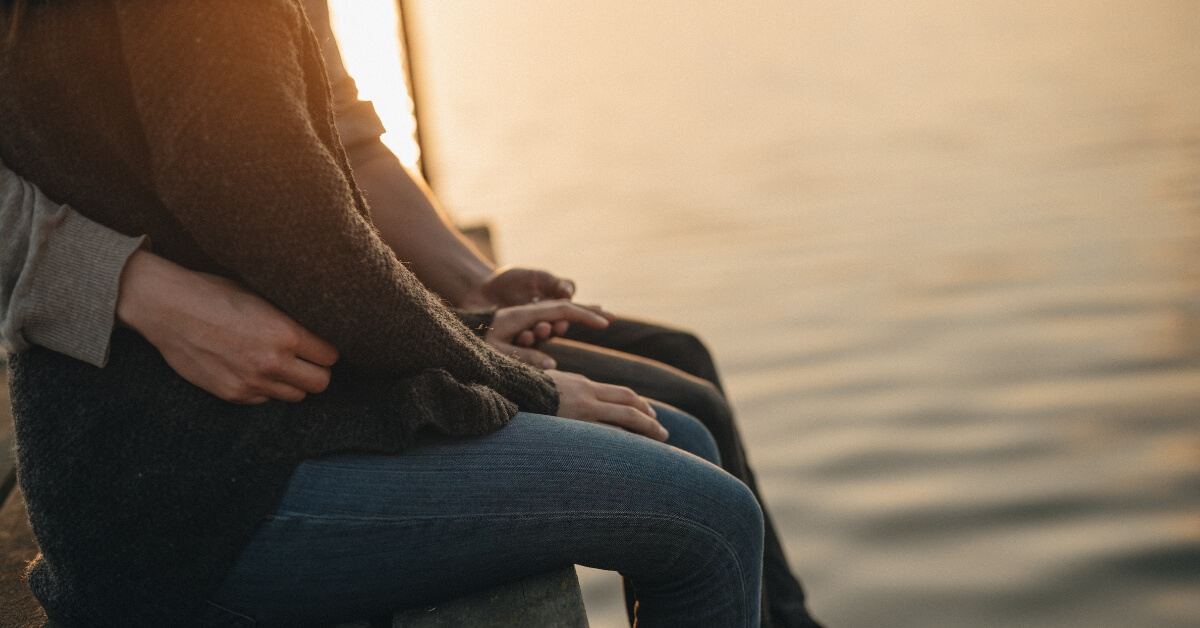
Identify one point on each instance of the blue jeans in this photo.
(359, 536)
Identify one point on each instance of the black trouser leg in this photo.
(673, 347)
(783, 602)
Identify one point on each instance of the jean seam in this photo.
(543, 516)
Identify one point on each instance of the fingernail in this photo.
(548, 363)
(664, 432)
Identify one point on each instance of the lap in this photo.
(679, 349)
(660, 382)
(360, 535)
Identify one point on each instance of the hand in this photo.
(219, 336)
(615, 406)
(515, 329)
(517, 286)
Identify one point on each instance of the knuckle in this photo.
(632, 415)
(269, 364)
(235, 392)
(286, 337)
(624, 393)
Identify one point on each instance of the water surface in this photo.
(947, 254)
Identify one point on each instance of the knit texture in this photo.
(206, 124)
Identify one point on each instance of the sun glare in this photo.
(368, 35)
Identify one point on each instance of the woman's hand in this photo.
(615, 406)
(219, 336)
(516, 329)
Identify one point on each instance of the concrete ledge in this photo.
(550, 600)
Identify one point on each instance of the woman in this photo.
(206, 125)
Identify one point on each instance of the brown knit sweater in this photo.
(206, 124)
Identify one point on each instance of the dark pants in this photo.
(674, 367)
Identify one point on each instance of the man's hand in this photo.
(219, 336)
(515, 329)
(517, 286)
(615, 406)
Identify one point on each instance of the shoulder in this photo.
(192, 22)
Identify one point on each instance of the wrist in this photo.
(473, 282)
(141, 282)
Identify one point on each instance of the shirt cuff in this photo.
(73, 292)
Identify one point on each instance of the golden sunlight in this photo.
(368, 35)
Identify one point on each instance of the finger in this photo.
(526, 317)
(316, 350)
(283, 392)
(525, 339)
(630, 419)
(564, 310)
(304, 375)
(602, 312)
(530, 356)
(560, 327)
(251, 401)
(542, 330)
(624, 396)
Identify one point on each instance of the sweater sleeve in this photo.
(59, 274)
(244, 154)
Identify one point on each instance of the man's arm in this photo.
(220, 336)
(59, 274)
(66, 281)
(409, 220)
(406, 212)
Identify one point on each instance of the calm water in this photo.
(947, 254)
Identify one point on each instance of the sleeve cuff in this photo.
(73, 292)
(479, 322)
(357, 122)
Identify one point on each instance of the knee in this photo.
(745, 525)
(742, 500)
(712, 405)
(732, 516)
(684, 351)
(688, 434)
(689, 345)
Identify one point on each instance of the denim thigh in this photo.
(358, 536)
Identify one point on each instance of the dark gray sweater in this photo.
(206, 124)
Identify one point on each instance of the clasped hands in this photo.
(232, 343)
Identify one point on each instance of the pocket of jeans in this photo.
(216, 616)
